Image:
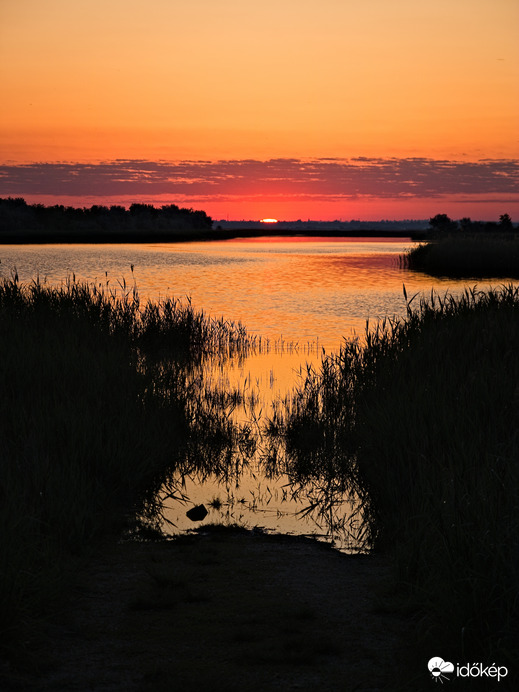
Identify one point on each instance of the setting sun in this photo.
(268, 220)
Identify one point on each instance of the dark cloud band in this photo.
(326, 179)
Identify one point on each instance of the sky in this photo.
(289, 109)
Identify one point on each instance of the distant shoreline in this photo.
(39, 238)
(23, 224)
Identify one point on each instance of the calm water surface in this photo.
(301, 289)
(304, 294)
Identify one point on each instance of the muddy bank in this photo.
(221, 611)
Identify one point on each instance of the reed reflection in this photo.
(247, 479)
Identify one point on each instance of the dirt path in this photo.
(223, 611)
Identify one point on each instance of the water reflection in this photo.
(299, 289)
(255, 485)
(277, 504)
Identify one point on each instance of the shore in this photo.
(221, 610)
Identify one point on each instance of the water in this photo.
(304, 294)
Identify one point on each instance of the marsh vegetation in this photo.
(467, 256)
(421, 422)
(467, 248)
(100, 405)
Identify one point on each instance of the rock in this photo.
(197, 513)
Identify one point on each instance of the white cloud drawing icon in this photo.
(438, 667)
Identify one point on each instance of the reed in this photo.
(422, 423)
(481, 255)
(101, 404)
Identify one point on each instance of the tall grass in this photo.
(98, 406)
(422, 422)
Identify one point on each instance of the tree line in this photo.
(19, 218)
(441, 223)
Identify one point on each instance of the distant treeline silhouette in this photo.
(384, 225)
(17, 218)
(441, 223)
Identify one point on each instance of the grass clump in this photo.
(96, 410)
(422, 422)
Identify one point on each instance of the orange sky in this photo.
(164, 80)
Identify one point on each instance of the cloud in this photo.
(325, 179)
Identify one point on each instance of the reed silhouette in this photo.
(101, 407)
(467, 249)
(422, 422)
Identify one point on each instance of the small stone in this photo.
(197, 513)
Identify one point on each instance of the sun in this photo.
(268, 220)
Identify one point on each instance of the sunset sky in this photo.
(291, 109)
